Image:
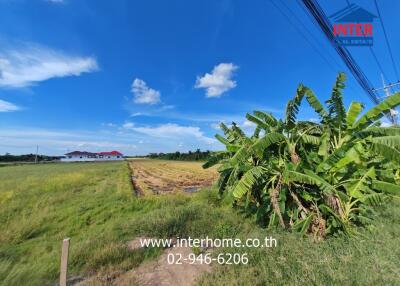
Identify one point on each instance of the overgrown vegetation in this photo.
(92, 203)
(368, 259)
(321, 178)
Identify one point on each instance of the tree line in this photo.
(26, 158)
(197, 155)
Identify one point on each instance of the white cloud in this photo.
(314, 120)
(170, 130)
(128, 125)
(215, 126)
(248, 124)
(56, 1)
(144, 94)
(385, 123)
(31, 63)
(219, 81)
(109, 124)
(137, 114)
(248, 127)
(166, 107)
(102, 144)
(149, 110)
(132, 140)
(21, 140)
(6, 106)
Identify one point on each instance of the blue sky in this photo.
(152, 76)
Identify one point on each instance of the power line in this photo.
(319, 16)
(387, 40)
(302, 34)
(340, 67)
(306, 29)
(299, 2)
(378, 63)
(351, 6)
(321, 19)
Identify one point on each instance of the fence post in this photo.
(64, 262)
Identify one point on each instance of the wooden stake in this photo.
(64, 262)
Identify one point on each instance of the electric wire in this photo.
(372, 52)
(374, 55)
(387, 40)
(303, 35)
(308, 31)
(323, 22)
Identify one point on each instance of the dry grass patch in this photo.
(160, 176)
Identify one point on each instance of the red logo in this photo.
(353, 29)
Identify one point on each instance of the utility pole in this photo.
(386, 88)
(36, 156)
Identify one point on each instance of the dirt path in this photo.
(154, 273)
(157, 176)
(160, 273)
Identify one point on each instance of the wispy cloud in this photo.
(170, 130)
(247, 126)
(6, 106)
(128, 125)
(57, 142)
(218, 81)
(191, 117)
(144, 94)
(130, 139)
(31, 63)
(56, 1)
(108, 124)
(313, 119)
(386, 123)
(150, 110)
(215, 125)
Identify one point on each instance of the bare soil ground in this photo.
(160, 273)
(153, 273)
(160, 176)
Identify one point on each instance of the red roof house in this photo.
(88, 156)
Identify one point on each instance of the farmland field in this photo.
(94, 205)
(160, 176)
(42, 204)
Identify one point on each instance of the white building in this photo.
(83, 156)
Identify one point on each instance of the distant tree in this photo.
(198, 155)
(7, 157)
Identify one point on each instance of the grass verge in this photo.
(93, 204)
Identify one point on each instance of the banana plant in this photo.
(322, 178)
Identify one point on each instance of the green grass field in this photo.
(42, 204)
(93, 204)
